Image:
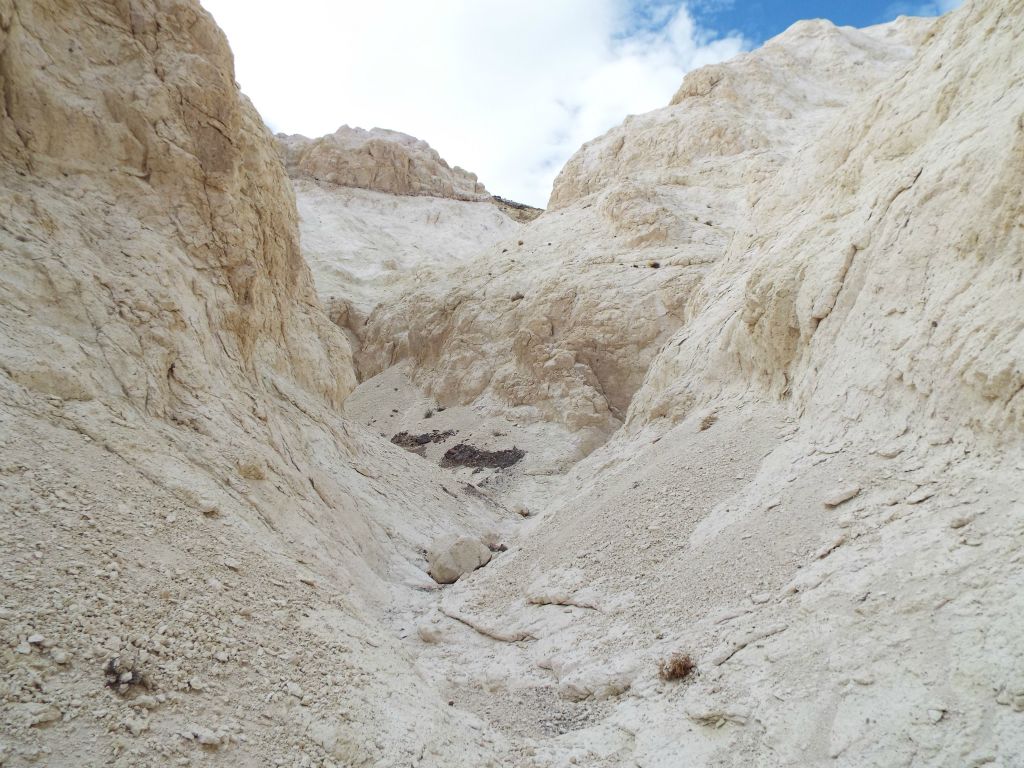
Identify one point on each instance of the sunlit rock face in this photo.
(378, 159)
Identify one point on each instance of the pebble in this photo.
(428, 633)
(135, 725)
(205, 736)
(36, 639)
(293, 689)
(35, 713)
(921, 494)
(197, 684)
(841, 495)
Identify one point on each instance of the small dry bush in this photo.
(708, 421)
(678, 666)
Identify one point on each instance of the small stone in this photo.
(921, 494)
(23, 648)
(428, 633)
(293, 689)
(760, 599)
(230, 562)
(36, 639)
(204, 736)
(521, 509)
(135, 725)
(59, 656)
(34, 713)
(208, 738)
(960, 522)
(221, 656)
(146, 702)
(936, 714)
(197, 684)
(841, 495)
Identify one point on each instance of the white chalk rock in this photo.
(452, 556)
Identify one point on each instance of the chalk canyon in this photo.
(315, 453)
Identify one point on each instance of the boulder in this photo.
(452, 556)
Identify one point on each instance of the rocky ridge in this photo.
(378, 209)
(378, 159)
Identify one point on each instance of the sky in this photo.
(506, 90)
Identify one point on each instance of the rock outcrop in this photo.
(380, 160)
(378, 210)
(563, 320)
(185, 514)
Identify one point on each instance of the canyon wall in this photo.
(186, 516)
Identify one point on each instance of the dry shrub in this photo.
(708, 420)
(678, 666)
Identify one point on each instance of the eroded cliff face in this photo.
(185, 513)
(874, 278)
(814, 491)
(379, 212)
(564, 320)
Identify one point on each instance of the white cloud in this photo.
(508, 91)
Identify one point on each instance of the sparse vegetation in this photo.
(708, 421)
(678, 666)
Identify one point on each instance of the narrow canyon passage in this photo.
(313, 452)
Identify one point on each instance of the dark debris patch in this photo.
(411, 442)
(465, 455)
